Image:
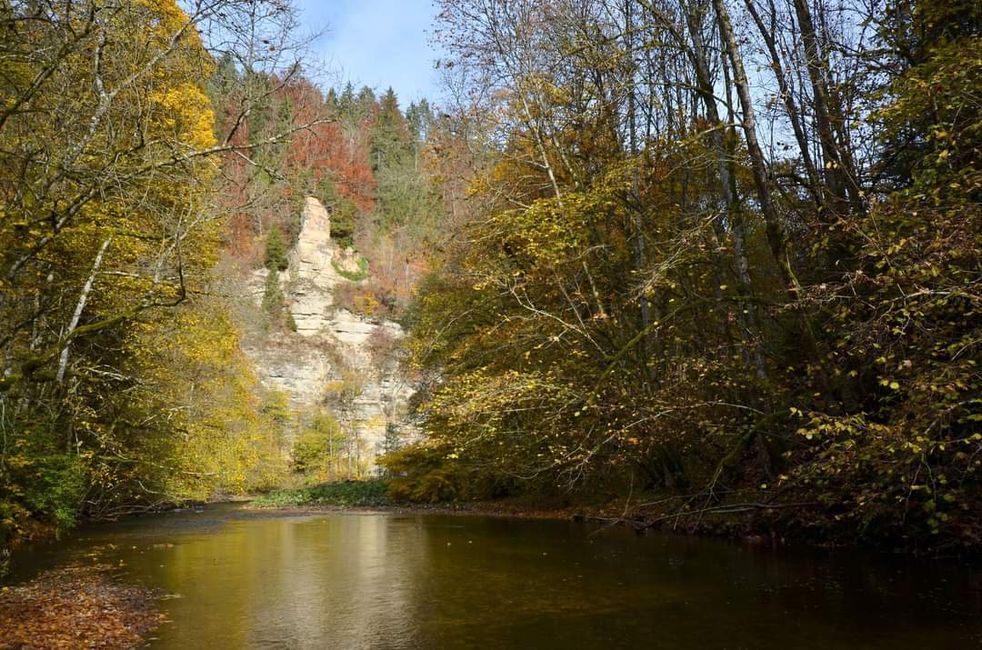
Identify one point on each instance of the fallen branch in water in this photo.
(609, 522)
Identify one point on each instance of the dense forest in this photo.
(696, 258)
(153, 154)
(725, 253)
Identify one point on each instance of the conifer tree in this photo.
(276, 250)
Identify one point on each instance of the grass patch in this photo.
(343, 494)
(357, 276)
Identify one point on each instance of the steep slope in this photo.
(335, 358)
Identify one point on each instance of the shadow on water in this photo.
(240, 579)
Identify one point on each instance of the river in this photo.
(236, 578)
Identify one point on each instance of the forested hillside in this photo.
(719, 257)
(152, 155)
(695, 258)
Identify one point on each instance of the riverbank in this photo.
(77, 607)
(372, 496)
(744, 520)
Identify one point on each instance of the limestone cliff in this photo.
(335, 358)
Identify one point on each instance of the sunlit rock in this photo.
(331, 345)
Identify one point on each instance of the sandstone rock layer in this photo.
(332, 346)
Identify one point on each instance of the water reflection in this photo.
(314, 582)
(241, 580)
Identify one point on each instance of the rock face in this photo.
(314, 248)
(336, 359)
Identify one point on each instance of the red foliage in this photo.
(321, 146)
(327, 149)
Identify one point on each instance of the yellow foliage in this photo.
(185, 112)
(193, 367)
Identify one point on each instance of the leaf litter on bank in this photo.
(76, 607)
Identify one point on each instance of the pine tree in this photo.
(276, 258)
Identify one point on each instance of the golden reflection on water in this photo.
(237, 579)
(339, 582)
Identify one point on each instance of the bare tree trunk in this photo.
(840, 170)
(640, 256)
(543, 153)
(727, 177)
(776, 238)
(794, 115)
(79, 307)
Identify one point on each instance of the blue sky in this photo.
(378, 43)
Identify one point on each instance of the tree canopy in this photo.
(725, 252)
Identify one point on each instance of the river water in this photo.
(241, 579)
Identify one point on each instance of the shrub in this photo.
(344, 494)
(428, 472)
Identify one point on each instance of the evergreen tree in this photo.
(331, 102)
(276, 250)
(390, 133)
(420, 118)
(365, 103)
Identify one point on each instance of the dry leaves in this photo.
(76, 607)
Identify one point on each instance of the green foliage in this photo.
(276, 251)
(42, 482)
(356, 276)
(57, 487)
(344, 219)
(344, 212)
(342, 494)
(273, 294)
(317, 452)
(390, 133)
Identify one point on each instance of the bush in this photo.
(428, 472)
(40, 489)
(344, 494)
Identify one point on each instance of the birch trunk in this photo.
(80, 307)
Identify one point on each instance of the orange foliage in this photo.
(76, 607)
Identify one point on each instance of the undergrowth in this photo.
(345, 494)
